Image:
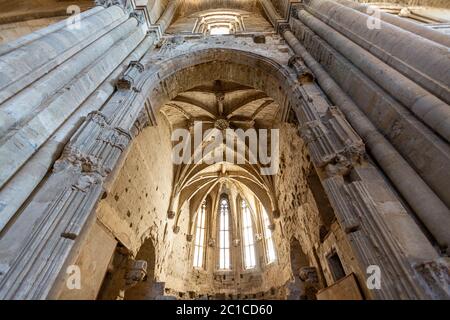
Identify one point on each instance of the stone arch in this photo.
(187, 70)
(299, 259)
(297, 256)
(247, 68)
(148, 288)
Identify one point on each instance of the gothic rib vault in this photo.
(89, 187)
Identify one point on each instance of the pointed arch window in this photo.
(199, 243)
(248, 236)
(270, 249)
(224, 234)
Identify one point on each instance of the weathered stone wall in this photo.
(301, 217)
(136, 207)
(14, 30)
(92, 259)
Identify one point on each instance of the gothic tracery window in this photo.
(270, 249)
(248, 237)
(199, 244)
(224, 234)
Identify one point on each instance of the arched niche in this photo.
(148, 288)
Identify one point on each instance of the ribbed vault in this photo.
(220, 105)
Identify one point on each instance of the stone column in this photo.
(413, 27)
(36, 247)
(353, 187)
(421, 198)
(36, 117)
(425, 106)
(422, 60)
(166, 18)
(12, 45)
(418, 145)
(21, 185)
(42, 51)
(271, 12)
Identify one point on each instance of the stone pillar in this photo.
(271, 12)
(418, 145)
(37, 117)
(40, 54)
(12, 45)
(405, 24)
(421, 198)
(422, 60)
(21, 185)
(337, 152)
(166, 18)
(37, 245)
(425, 106)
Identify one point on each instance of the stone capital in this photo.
(171, 214)
(124, 4)
(283, 27)
(130, 76)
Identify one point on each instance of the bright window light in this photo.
(219, 30)
(249, 240)
(270, 249)
(224, 234)
(199, 243)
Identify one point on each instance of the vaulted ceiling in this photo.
(221, 105)
(222, 102)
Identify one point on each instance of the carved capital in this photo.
(304, 74)
(436, 276)
(176, 229)
(340, 165)
(95, 147)
(283, 27)
(309, 275)
(136, 273)
(171, 214)
(211, 242)
(189, 237)
(130, 76)
(142, 121)
(334, 145)
(138, 15)
(294, 12)
(124, 4)
(276, 214)
(295, 8)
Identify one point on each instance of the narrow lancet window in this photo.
(224, 234)
(270, 249)
(199, 244)
(249, 240)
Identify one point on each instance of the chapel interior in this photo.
(322, 171)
